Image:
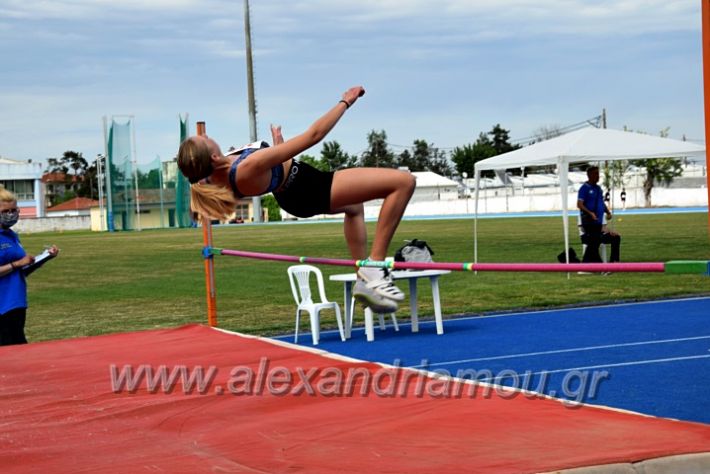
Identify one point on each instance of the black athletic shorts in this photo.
(306, 191)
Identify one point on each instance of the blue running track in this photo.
(649, 357)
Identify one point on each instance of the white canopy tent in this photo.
(585, 145)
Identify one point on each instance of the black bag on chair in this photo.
(415, 251)
(572, 257)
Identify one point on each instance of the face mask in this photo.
(7, 220)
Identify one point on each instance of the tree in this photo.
(335, 158)
(659, 170)
(463, 159)
(378, 154)
(614, 174)
(431, 159)
(500, 140)
(149, 180)
(72, 182)
(466, 157)
(77, 163)
(406, 160)
(421, 155)
(440, 164)
(314, 162)
(272, 207)
(89, 185)
(57, 165)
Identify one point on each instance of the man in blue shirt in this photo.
(592, 208)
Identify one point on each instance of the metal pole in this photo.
(134, 161)
(209, 259)
(256, 201)
(109, 190)
(100, 185)
(706, 91)
(160, 187)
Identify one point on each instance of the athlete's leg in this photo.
(355, 230)
(358, 185)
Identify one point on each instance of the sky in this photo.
(442, 71)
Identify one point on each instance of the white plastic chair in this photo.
(369, 321)
(299, 277)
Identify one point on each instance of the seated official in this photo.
(590, 202)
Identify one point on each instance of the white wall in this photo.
(434, 193)
(661, 197)
(53, 224)
(530, 201)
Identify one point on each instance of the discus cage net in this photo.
(142, 195)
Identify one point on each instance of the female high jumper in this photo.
(219, 180)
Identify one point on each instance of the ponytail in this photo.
(208, 200)
(214, 202)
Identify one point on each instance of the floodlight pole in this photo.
(706, 92)
(256, 200)
(209, 259)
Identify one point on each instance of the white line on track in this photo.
(425, 321)
(561, 351)
(622, 364)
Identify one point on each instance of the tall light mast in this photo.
(256, 200)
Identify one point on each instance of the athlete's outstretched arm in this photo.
(267, 158)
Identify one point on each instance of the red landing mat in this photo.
(60, 413)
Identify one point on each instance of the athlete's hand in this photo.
(352, 94)
(276, 136)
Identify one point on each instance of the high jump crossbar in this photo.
(701, 267)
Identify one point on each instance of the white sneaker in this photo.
(380, 281)
(368, 298)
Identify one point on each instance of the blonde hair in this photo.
(6, 196)
(208, 200)
(212, 201)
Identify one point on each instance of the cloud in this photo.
(96, 9)
(503, 60)
(525, 16)
(484, 17)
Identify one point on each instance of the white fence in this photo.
(530, 200)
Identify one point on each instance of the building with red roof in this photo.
(79, 206)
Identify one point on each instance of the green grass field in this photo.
(103, 283)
